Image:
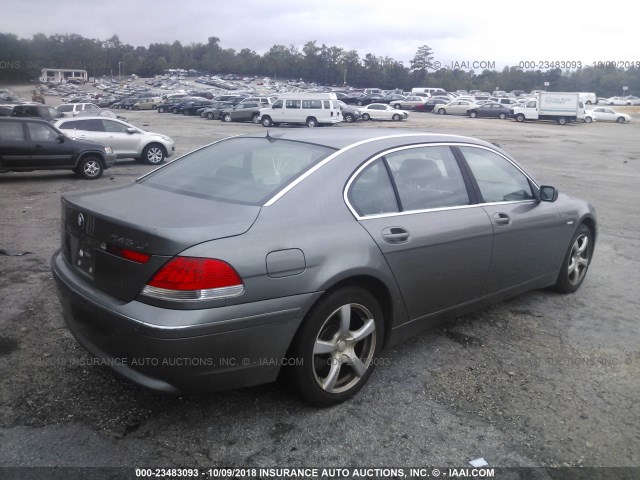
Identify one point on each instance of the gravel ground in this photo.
(540, 380)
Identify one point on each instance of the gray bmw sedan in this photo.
(306, 251)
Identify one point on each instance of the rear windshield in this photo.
(239, 170)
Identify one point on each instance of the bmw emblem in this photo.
(81, 221)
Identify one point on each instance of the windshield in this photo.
(239, 170)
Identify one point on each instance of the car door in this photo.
(14, 147)
(118, 137)
(415, 204)
(48, 147)
(525, 231)
(605, 115)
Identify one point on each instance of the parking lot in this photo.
(540, 380)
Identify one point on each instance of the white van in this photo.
(588, 98)
(431, 91)
(311, 109)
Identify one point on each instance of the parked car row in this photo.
(85, 144)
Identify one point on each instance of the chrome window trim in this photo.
(322, 163)
(358, 217)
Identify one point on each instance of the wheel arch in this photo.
(91, 153)
(373, 285)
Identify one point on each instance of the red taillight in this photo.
(191, 273)
(132, 255)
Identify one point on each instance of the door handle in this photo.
(395, 235)
(501, 219)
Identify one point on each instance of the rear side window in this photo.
(88, 125)
(312, 104)
(371, 193)
(65, 108)
(428, 177)
(11, 131)
(238, 170)
(293, 103)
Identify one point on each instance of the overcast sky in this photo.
(502, 32)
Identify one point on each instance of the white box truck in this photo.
(560, 107)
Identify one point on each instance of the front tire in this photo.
(267, 122)
(520, 117)
(154, 154)
(620, 120)
(588, 119)
(90, 168)
(396, 117)
(226, 118)
(575, 265)
(337, 345)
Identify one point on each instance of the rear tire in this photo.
(366, 117)
(502, 116)
(90, 167)
(349, 118)
(336, 346)
(256, 119)
(312, 122)
(576, 263)
(210, 116)
(562, 121)
(442, 111)
(473, 114)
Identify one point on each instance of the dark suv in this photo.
(38, 111)
(28, 144)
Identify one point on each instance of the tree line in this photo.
(22, 60)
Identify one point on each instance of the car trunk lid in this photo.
(118, 238)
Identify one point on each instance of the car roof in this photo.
(343, 137)
(25, 119)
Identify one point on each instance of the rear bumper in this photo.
(181, 350)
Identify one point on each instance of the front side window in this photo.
(88, 125)
(42, 133)
(427, 177)
(114, 127)
(239, 170)
(498, 179)
(277, 104)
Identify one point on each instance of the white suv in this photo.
(73, 109)
(126, 140)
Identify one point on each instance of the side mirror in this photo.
(60, 138)
(131, 130)
(548, 193)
